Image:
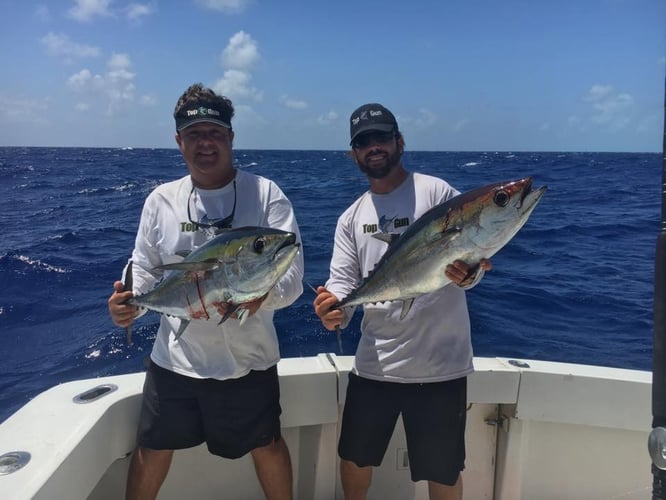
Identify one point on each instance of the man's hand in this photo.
(122, 314)
(323, 302)
(462, 274)
(251, 307)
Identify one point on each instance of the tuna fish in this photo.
(238, 266)
(469, 227)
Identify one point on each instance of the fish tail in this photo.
(338, 332)
(127, 286)
(181, 328)
(311, 287)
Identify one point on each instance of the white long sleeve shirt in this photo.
(432, 343)
(206, 349)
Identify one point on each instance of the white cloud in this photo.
(148, 100)
(461, 125)
(80, 80)
(235, 84)
(242, 52)
(228, 6)
(116, 85)
(22, 110)
(425, 118)
(327, 118)
(573, 120)
(120, 83)
(59, 45)
(136, 11)
(119, 65)
(86, 10)
(42, 12)
(610, 108)
(246, 116)
(598, 92)
(238, 57)
(293, 103)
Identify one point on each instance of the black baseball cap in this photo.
(203, 112)
(371, 116)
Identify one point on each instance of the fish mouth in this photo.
(529, 198)
(527, 189)
(288, 242)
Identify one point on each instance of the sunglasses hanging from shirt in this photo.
(218, 225)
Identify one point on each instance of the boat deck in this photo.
(536, 430)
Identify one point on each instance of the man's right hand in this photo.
(122, 314)
(325, 300)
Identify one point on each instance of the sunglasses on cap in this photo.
(365, 140)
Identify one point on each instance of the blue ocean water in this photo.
(575, 284)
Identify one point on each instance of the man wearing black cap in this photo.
(214, 383)
(415, 367)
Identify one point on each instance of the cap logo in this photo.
(364, 115)
(201, 111)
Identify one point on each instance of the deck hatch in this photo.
(95, 393)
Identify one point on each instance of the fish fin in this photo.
(386, 237)
(128, 284)
(203, 265)
(242, 315)
(231, 308)
(128, 281)
(181, 329)
(406, 306)
(183, 253)
(452, 231)
(338, 333)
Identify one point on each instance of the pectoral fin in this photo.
(231, 308)
(183, 325)
(386, 237)
(242, 315)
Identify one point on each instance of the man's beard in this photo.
(380, 172)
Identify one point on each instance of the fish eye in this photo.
(501, 198)
(259, 245)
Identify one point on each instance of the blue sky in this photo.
(491, 75)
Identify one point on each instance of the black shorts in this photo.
(434, 416)
(232, 416)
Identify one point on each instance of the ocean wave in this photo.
(23, 263)
(108, 189)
